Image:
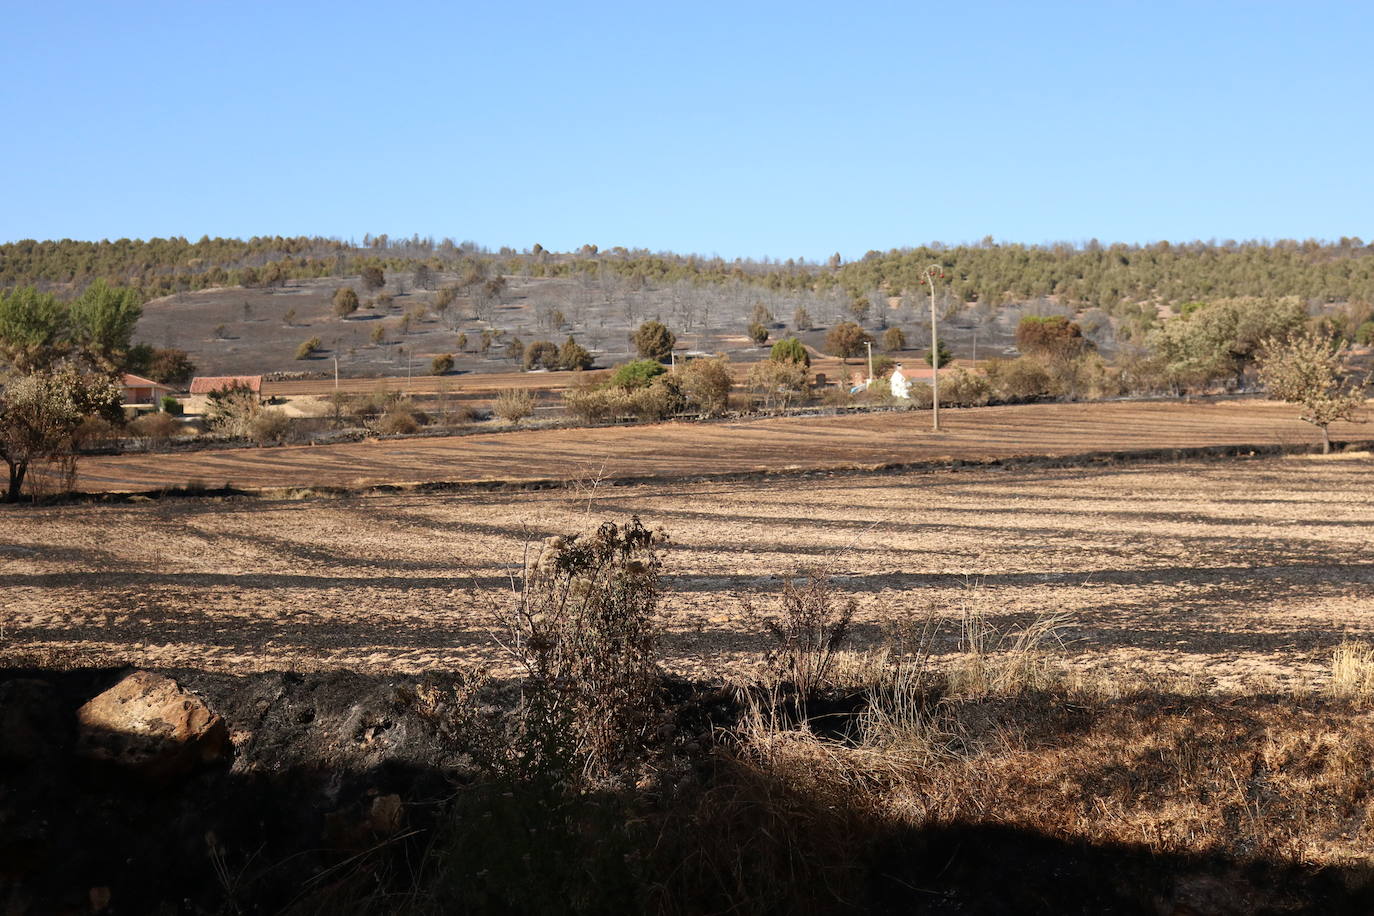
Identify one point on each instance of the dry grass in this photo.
(1352, 670)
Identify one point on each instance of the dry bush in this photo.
(269, 426)
(810, 627)
(1352, 671)
(965, 389)
(1022, 379)
(513, 405)
(156, 428)
(400, 420)
(706, 384)
(778, 384)
(582, 630)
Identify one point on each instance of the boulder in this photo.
(152, 725)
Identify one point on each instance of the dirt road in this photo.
(689, 449)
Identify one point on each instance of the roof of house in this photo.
(137, 381)
(207, 383)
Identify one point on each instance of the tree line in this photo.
(1089, 275)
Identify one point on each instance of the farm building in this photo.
(139, 390)
(208, 384)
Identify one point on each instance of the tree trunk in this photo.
(17, 471)
(1326, 441)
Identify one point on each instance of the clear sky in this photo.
(740, 129)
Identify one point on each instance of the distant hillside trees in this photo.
(345, 301)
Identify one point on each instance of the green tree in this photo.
(345, 301)
(758, 334)
(790, 350)
(102, 322)
(1306, 369)
(636, 374)
(653, 340)
(34, 329)
(945, 356)
(307, 348)
(846, 339)
(40, 413)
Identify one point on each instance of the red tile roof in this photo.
(137, 381)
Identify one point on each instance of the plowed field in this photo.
(693, 449)
(1229, 572)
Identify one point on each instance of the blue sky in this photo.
(766, 129)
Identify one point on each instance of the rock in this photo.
(152, 725)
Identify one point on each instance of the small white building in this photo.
(901, 385)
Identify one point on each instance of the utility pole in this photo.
(931, 274)
(869, 344)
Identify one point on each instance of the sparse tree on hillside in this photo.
(846, 340)
(373, 277)
(574, 356)
(801, 319)
(424, 276)
(345, 301)
(894, 340)
(654, 341)
(1307, 369)
(758, 334)
(541, 354)
(1051, 336)
(441, 365)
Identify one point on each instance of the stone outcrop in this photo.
(151, 724)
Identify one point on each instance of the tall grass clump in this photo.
(1352, 670)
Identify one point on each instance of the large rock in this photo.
(152, 725)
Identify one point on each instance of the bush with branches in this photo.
(513, 405)
(706, 383)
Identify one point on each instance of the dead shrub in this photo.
(270, 426)
(513, 405)
(582, 630)
(155, 429)
(811, 625)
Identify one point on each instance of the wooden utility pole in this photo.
(932, 273)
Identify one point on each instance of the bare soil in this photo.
(685, 449)
(1234, 574)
